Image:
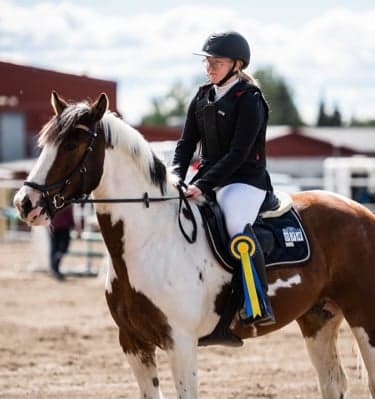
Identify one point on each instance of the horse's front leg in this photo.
(183, 361)
(143, 364)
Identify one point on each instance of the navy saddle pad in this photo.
(283, 239)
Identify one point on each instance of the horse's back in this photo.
(336, 222)
(326, 202)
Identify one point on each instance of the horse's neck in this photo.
(143, 228)
(123, 177)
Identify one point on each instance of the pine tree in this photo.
(322, 116)
(325, 119)
(336, 117)
(278, 94)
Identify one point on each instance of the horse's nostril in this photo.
(26, 206)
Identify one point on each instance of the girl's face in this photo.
(217, 68)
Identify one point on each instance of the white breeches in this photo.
(240, 204)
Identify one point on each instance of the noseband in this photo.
(57, 201)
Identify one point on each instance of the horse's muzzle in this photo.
(33, 215)
(24, 206)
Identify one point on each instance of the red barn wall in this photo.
(298, 145)
(27, 90)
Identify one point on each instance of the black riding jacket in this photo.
(232, 134)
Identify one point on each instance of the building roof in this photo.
(361, 139)
(283, 141)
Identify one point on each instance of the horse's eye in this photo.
(70, 146)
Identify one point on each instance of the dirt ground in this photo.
(58, 341)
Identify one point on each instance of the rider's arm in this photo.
(187, 143)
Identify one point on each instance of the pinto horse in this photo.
(164, 292)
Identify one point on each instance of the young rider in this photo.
(229, 117)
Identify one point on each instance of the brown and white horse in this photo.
(162, 291)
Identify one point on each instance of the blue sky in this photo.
(322, 47)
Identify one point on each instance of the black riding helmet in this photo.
(227, 44)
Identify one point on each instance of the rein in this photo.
(146, 200)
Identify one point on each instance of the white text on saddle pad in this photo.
(292, 235)
(272, 288)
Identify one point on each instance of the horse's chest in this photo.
(142, 324)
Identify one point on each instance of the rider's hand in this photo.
(193, 191)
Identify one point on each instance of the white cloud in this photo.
(332, 54)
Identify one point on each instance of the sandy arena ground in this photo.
(58, 341)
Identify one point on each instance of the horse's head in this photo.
(70, 164)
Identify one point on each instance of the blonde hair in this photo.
(248, 78)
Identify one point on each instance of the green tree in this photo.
(336, 118)
(279, 96)
(322, 116)
(157, 116)
(169, 109)
(355, 122)
(326, 119)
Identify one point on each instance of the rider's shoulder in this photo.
(246, 88)
(203, 90)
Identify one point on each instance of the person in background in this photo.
(228, 117)
(62, 224)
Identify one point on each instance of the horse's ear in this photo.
(58, 103)
(100, 106)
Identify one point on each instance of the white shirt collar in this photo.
(220, 91)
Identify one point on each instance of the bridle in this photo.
(55, 202)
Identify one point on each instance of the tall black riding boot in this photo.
(222, 335)
(267, 317)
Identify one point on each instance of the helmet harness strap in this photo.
(231, 73)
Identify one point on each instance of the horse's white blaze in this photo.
(279, 283)
(368, 354)
(37, 175)
(43, 165)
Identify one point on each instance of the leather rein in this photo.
(53, 203)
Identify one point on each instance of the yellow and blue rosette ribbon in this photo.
(243, 247)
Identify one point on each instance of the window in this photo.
(12, 136)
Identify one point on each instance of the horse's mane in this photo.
(117, 133)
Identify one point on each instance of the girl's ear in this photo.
(239, 65)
